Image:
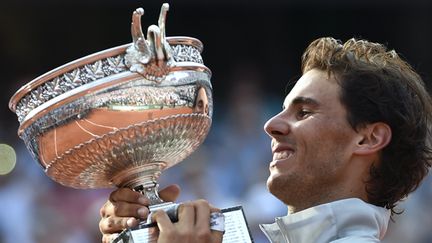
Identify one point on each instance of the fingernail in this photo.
(143, 212)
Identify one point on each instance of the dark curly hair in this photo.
(378, 86)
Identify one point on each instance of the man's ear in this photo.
(373, 138)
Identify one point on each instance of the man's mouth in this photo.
(284, 154)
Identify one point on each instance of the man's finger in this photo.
(202, 208)
(202, 218)
(186, 217)
(214, 209)
(217, 236)
(163, 221)
(124, 209)
(170, 193)
(111, 225)
(128, 195)
(108, 238)
(105, 209)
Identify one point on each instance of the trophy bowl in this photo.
(121, 116)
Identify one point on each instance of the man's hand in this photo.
(193, 224)
(124, 209)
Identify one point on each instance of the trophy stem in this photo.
(142, 179)
(151, 192)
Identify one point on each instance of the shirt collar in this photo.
(330, 221)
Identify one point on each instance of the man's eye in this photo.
(303, 113)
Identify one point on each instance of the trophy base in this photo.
(236, 228)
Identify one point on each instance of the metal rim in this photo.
(27, 88)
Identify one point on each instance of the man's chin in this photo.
(280, 187)
(274, 183)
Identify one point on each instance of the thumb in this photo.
(170, 193)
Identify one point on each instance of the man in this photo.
(352, 140)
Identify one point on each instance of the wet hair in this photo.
(378, 86)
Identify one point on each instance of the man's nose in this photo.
(277, 125)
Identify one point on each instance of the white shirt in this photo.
(349, 220)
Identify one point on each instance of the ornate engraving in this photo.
(94, 71)
(114, 65)
(82, 166)
(73, 78)
(97, 70)
(184, 53)
(68, 81)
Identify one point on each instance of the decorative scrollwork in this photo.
(184, 53)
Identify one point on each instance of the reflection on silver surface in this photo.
(130, 156)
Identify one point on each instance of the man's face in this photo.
(312, 142)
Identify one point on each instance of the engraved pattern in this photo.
(94, 71)
(184, 53)
(114, 65)
(68, 81)
(93, 163)
(56, 117)
(88, 73)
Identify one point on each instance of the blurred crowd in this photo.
(229, 169)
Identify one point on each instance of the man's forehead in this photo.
(303, 100)
(313, 88)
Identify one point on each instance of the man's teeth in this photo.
(282, 155)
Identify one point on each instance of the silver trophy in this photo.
(119, 117)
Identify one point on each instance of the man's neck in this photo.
(297, 208)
